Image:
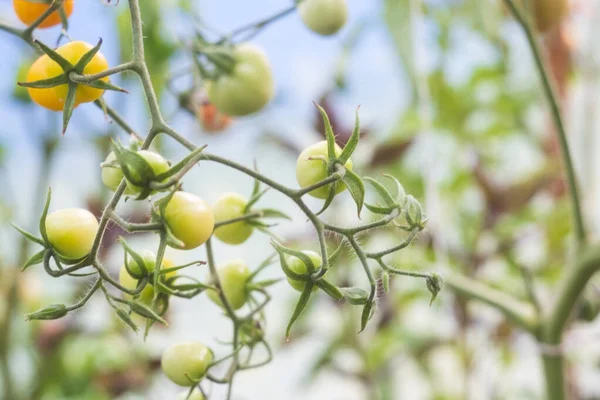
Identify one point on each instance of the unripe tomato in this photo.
(233, 276)
(196, 395)
(309, 172)
(190, 219)
(72, 231)
(248, 87)
(211, 119)
(324, 17)
(72, 52)
(29, 11)
(229, 206)
(129, 282)
(297, 266)
(191, 358)
(47, 98)
(157, 162)
(112, 176)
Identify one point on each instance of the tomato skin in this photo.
(233, 276)
(72, 52)
(158, 164)
(190, 219)
(248, 87)
(309, 172)
(112, 176)
(229, 206)
(46, 98)
(325, 17)
(196, 395)
(297, 266)
(71, 231)
(28, 12)
(191, 358)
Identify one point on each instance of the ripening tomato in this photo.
(29, 11)
(324, 17)
(47, 98)
(211, 119)
(72, 52)
(189, 219)
(310, 172)
(229, 206)
(72, 232)
(248, 87)
(298, 266)
(233, 276)
(158, 164)
(186, 359)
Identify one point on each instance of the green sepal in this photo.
(356, 187)
(352, 142)
(266, 283)
(330, 289)
(386, 196)
(329, 135)
(142, 309)
(379, 210)
(414, 213)
(125, 317)
(60, 60)
(400, 192)
(87, 57)
(333, 257)
(136, 257)
(29, 236)
(42, 224)
(295, 253)
(367, 313)
(104, 85)
(286, 269)
(135, 168)
(46, 83)
(53, 311)
(37, 258)
(272, 213)
(302, 302)
(329, 199)
(69, 105)
(179, 166)
(355, 296)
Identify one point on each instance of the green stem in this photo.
(557, 118)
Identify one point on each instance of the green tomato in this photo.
(297, 266)
(190, 219)
(248, 87)
(112, 176)
(196, 395)
(191, 358)
(71, 232)
(233, 276)
(129, 282)
(230, 206)
(324, 17)
(309, 172)
(158, 164)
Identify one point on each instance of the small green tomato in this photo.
(196, 395)
(186, 359)
(297, 266)
(112, 176)
(310, 169)
(325, 17)
(157, 162)
(233, 276)
(129, 282)
(230, 206)
(190, 219)
(71, 232)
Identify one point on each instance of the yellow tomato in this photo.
(190, 219)
(46, 98)
(72, 232)
(29, 11)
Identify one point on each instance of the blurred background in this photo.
(450, 104)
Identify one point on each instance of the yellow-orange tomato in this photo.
(46, 98)
(211, 119)
(29, 11)
(73, 52)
